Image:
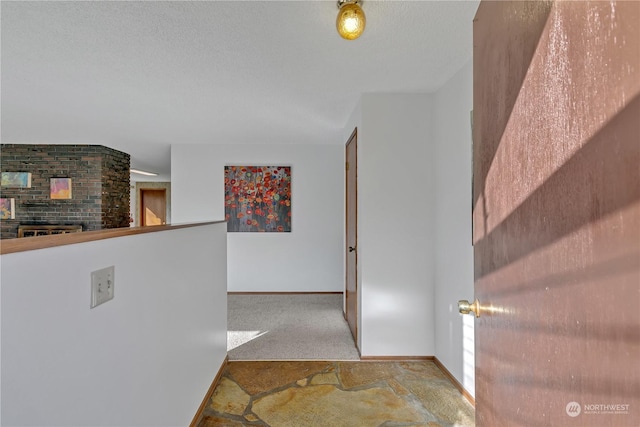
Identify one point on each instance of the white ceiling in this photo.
(140, 76)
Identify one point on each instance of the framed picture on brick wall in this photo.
(15, 179)
(60, 188)
(7, 208)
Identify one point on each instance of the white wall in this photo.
(396, 225)
(146, 358)
(310, 257)
(415, 256)
(454, 253)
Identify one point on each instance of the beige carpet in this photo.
(288, 327)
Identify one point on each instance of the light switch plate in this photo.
(102, 284)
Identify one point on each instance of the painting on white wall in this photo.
(257, 198)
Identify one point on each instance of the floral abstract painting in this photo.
(60, 188)
(257, 198)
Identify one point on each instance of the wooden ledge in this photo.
(9, 246)
(286, 293)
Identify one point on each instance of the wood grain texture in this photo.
(557, 211)
(9, 246)
(286, 293)
(351, 227)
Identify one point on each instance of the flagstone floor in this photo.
(336, 394)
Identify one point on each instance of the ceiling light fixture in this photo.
(351, 20)
(143, 172)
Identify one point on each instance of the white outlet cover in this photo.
(102, 285)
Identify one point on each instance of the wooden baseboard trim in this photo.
(214, 384)
(455, 382)
(394, 358)
(285, 293)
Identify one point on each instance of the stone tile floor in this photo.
(336, 394)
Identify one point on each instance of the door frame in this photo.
(136, 199)
(144, 191)
(355, 331)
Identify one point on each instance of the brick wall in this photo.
(115, 189)
(100, 186)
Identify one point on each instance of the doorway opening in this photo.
(351, 226)
(153, 207)
(152, 203)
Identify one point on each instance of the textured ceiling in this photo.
(139, 76)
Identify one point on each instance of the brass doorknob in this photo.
(465, 307)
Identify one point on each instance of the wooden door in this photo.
(352, 235)
(153, 207)
(557, 213)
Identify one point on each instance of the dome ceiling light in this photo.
(351, 20)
